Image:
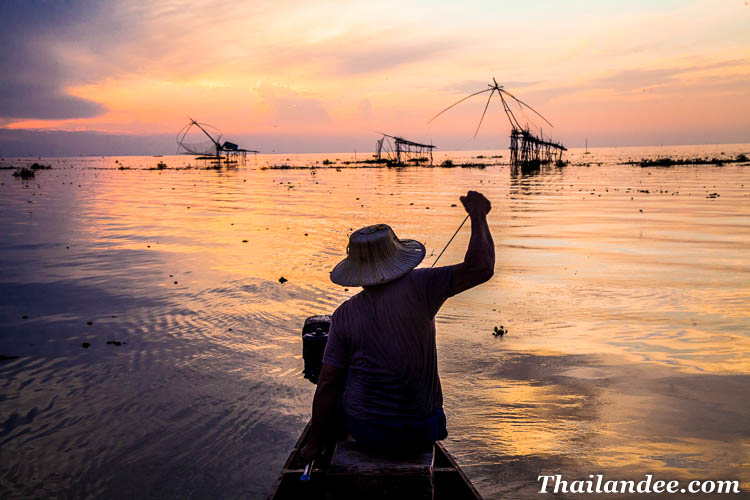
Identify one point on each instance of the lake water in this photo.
(625, 290)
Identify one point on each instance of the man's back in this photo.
(381, 353)
(385, 337)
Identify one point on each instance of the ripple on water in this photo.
(628, 330)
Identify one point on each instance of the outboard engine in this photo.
(314, 339)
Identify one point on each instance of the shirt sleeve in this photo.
(337, 347)
(436, 284)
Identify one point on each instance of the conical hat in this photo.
(375, 256)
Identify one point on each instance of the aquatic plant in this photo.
(38, 166)
(24, 173)
(374, 160)
(499, 332)
(447, 164)
(670, 162)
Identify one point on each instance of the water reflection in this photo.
(624, 291)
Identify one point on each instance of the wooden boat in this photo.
(348, 473)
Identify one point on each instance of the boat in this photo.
(345, 471)
(441, 478)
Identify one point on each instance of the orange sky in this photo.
(615, 72)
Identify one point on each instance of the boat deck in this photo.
(349, 472)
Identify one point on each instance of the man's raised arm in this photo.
(479, 262)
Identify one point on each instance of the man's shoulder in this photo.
(346, 306)
(429, 274)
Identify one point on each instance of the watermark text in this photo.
(597, 484)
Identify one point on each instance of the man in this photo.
(380, 364)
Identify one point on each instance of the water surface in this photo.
(625, 291)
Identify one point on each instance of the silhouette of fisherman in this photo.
(379, 382)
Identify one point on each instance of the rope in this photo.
(449, 241)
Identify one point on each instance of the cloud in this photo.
(631, 79)
(379, 58)
(33, 76)
(43, 101)
(635, 81)
(15, 143)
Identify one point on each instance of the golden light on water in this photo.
(624, 291)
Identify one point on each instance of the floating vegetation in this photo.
(285, 167)
(671, 162)
(378, 163)
(421, 159)
(159, 166)
(370, 161)
(29, 172)
(347, 164)
(24, 173)
(327, 162)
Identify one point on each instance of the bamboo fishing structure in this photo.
(527, 149)
(402, 150)
(213, 148)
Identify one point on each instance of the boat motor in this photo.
(314, 339)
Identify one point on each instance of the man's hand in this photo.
(479, 262)
(310, 451)
(476, 204)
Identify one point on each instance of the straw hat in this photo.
(375, 255)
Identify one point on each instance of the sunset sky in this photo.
(326, 76)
